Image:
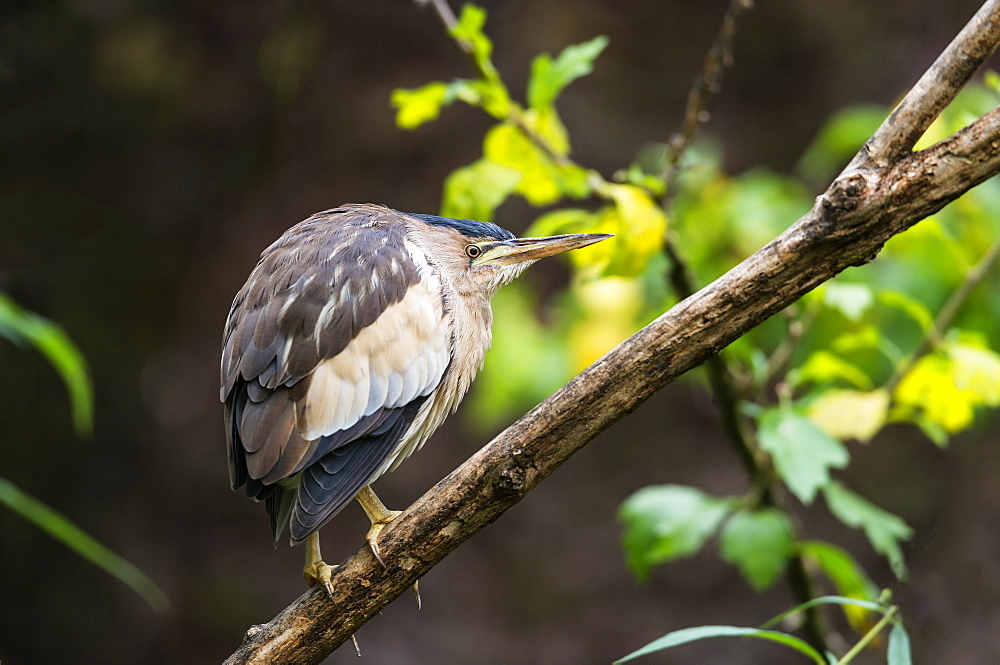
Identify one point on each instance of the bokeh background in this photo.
(150, 150)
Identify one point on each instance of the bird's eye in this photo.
(473, 251)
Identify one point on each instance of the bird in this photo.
(357, 333)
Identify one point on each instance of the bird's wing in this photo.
(330, 348)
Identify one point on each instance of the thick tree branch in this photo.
(847, 226)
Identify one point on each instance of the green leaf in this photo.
(837, 564)
(469, 29)
(63, 530)
(666, 522)
(418, 106)
(489, 91)
(607, 311)
(852, 300)
(938, 435)
(19, 325)
(475, 191)
(883, 529)
(803, 454)
(543, 181)
(634, 175)
(899, 647)
(825, 600)
(850, 414)
(549, 77)
(847, 576)
(686, 635)
(864, 338)
(915, 309)
(758, 543)
(824, 367)
(548, 126)
(507, 145)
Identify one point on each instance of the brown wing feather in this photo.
(311, 293)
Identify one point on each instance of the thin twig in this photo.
(447, 17)
(708, 82)
(779, 361)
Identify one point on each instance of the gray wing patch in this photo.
(310, 295)
(312, 291)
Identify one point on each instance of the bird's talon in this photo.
(373, 532)
(357, 649)
(416, 592)
(319, 572)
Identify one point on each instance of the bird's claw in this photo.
(372, 536)
(319, 572)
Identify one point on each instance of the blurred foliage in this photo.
(22, 327)
(903, 340)
(898, 643)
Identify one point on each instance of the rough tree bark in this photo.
(885, 190)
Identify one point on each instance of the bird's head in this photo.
(482, 257)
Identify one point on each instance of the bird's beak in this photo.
(520, 250)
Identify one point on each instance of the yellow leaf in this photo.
(415, 107)
(610, 308)
(976, 370)
(549, 127)
(639, 224)
(850, 414)
(929, 389)
(507, 145)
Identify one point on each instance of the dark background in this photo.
(150, 150)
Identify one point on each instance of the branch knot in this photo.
(845, 194)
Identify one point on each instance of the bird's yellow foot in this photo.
(319, 572)
(377, 526)
(379, 516)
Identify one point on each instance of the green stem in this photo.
(869, 636)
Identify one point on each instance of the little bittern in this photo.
(357, 333)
